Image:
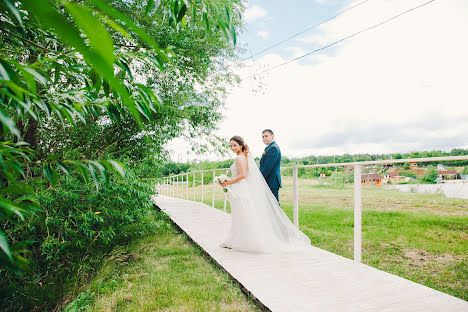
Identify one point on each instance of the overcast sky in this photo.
(400, 87)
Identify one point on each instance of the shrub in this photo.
(430, 175)
(76, 227)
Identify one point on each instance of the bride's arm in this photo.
(241, 164)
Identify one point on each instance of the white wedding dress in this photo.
(258, 224)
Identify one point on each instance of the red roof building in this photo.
(371, 178)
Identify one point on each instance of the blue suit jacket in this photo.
(270, 165)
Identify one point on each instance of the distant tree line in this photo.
(176, 168)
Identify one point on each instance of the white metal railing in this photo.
(170, 187)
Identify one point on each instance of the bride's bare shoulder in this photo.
(242, 157)
(242, 160)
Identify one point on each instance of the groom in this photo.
(270, 162)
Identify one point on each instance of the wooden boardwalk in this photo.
(313, 280)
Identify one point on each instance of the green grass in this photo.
(421, 237)
(164, 272)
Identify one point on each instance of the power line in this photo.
(342, 39)
(293, 36)
(301, 32)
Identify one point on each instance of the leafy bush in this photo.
(338, 178)
(430, 175)
(77, 226)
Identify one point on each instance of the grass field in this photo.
(162, 272)
(421, 237)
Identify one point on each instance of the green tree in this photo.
(72, 88)
(430, 175)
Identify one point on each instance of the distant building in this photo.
(390, 175)
(323, 175)
(448, 174)
(371, 178)
(395, 178)
(413, 165)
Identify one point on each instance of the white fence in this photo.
(171, 186)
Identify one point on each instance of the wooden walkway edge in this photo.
(312, 280)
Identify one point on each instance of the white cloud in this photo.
(296, 51)
(400, 87)
(263, 34)
(254, 13)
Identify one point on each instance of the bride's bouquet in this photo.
(222, 178)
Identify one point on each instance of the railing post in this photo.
(177, 187)
(213, 201)
(187, 185)
(172, 186)
(225, 195)
(193, 186)
(295, 198)
(202, 186)
(357, 213)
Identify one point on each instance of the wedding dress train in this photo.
(258, 224)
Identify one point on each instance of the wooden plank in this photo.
(310, 280)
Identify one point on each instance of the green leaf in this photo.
(39, 78)
(233, 35)
(4, 68)
(63, 167)
(81, 167)
(113, 112)
(14, 11)
(92, 172)
(8, 123)
(56, 74)
(4, 245)
(29, 202)
(207, 23)
(116, 15)
(144, 110)
(10, 207)
(117, 166)
(194, 14)
(149, 6)
(125, 66)
(50, 174)
(111, 23)
(106, 87)
(102, 170)
(29, 78)
(181, 13)
(99, 39)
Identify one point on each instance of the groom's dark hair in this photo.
(268, 130)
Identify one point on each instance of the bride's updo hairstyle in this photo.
(240, 141)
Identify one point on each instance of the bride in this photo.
(258, 224)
